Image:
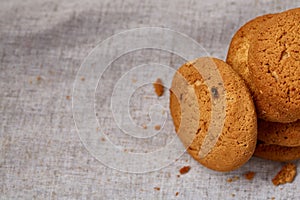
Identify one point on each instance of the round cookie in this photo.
(277, 153)
(237, 56)
(283, 134)
(274, 65)
(237, 140)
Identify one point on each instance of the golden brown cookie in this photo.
(238, 136)
(274, 64)
(283, 134)
(237, 56)
(276, 152)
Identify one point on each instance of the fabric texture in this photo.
(42, 45)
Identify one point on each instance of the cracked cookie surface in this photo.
(237, 56)
(274, 64)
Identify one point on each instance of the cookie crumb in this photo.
(229, 180)
(158, 87)
(235, 178)
(157, 127)
(285, 175)
(184, 169)
(176, 194)
(82, 79)
(249, 175)
(144, 126)
(38, 78)
(157, 188)
(68, 97)
(273, 198)
(233, 195)
(134, 80)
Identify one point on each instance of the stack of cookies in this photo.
(265, 52)
(259, 97)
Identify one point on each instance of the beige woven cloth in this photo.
(42, 45)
